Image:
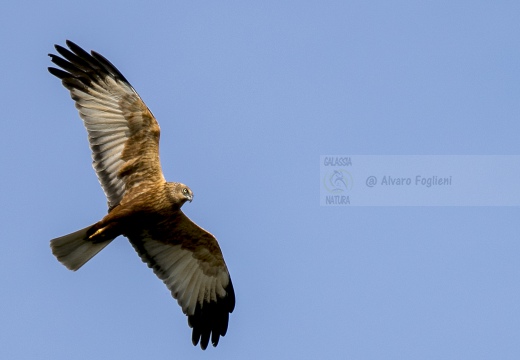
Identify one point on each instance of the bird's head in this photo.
(183, 193)
(178, 194)
(186, 193)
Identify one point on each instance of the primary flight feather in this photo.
(124, 138)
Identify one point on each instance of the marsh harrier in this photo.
(124, 139)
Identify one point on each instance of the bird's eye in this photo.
(185, 191)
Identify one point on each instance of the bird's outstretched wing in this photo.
(189, 261)
(122, 132)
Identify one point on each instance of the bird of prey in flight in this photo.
(124, 138)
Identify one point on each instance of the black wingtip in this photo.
(58, 73)
(210, 320)
(109, 66)
(59, 48)
(78, 50)
(82, 67)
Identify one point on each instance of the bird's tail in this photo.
(74, 250)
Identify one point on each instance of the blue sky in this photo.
(248, 97)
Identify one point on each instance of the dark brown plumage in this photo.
(124, 139)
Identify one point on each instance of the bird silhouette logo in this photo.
(338, 181)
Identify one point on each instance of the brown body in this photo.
(142, 208)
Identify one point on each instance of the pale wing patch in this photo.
(206, 297)
(116, 119)
(108, 133)
(182, 274)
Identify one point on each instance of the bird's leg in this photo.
(100, 233)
